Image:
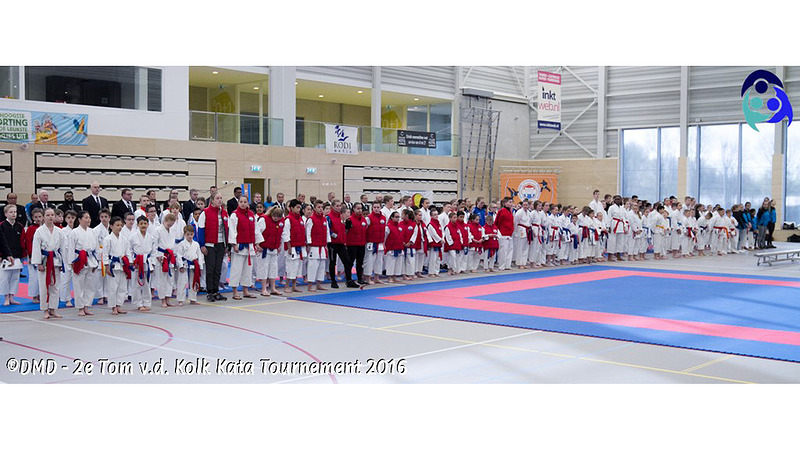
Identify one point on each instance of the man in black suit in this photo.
(347, 203)
(190, 205)
(234, 202)
(69, 202)
(256, 201)
(44, 201)
(279, 200)
(11, 198)
(94, 203)
(125, 204)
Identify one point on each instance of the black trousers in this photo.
(214, 258)
(339, 250)
(770, 229)
(356, 254)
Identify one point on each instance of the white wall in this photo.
(171, 123)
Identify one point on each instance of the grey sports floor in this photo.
(425, 350)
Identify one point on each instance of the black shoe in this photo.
(362, 282)
(220, 297)
(352, 284)
(211, 298)
(334, 285)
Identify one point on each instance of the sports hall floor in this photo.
(434, 350)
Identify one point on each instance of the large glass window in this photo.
(670, 150)
(719, 164)
(9, 82)
(792, 204)
(640, 163)
(111, 87)
(692, 187)
(758, 148)
(732, 164)
(650, 162)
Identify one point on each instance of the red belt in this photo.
(50, 274)
(126, 267)
(80, 262)
(618, 221)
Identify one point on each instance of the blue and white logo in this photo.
(764, 99)
(340, 134)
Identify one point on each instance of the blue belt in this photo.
(114, 259)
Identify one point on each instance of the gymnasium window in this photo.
(123, 87)
(650, 162)
(9, 81)
(792, 184)
(734, 164)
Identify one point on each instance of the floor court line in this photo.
(495, 345)
(708, 363)
(410, 323)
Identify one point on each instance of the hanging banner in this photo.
(529, 186)
(417, 196)
(549, 103)
(15, 126)
(341, 139)
(422, 139)
(43, 127)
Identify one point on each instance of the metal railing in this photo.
(235, 128)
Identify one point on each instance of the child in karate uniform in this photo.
(435, 240)
(243, 237)
(33, 280)
(46, 255)
(659, 223)
(409, 238)
(454, 244)
(317, 238)
(166, 259)
(294, 245)
(476, 243)
(14, 234)
(101, 232)
(143, 251)
(420, 244)
(190, 264)
(491, 244)
(602, 233)
(393, 247)
(84, 251)
(575, 234)
(373, 252)
(116, 261)
(271, 227)
(65, 287)
(536, 251)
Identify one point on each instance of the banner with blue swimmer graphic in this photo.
(38, 127)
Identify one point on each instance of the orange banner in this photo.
(529, 186)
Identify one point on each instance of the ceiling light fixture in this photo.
(360, 92)
(321, 96)
(215, 73)
(416, 99)
(256, 88)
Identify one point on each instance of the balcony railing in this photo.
(236, 128)
(252, 129)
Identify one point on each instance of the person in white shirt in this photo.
(675, 216)
(115, 259)
(388, 206)
(47, 255)
(65, 288)
(425, 208)
(595, 204)
(435, 243)
(243, 237)
(84, 249)
(141, 211)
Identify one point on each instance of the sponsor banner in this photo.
(549, 102)
(15, 126)
(529, 186)
(407, 138)
(341, 139)
(43, 127)
(418, 196)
